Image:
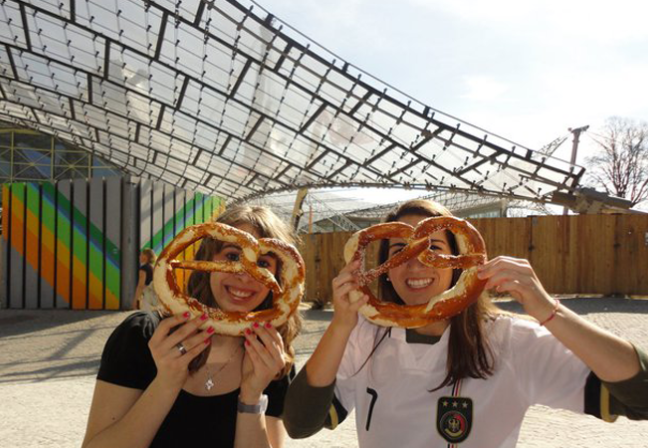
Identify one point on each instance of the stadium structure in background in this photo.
(220, 97)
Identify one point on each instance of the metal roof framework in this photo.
(460, 204)
(339, 209)
(223, 98)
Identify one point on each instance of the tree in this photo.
(621, 164)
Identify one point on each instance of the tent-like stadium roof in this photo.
(221, 97)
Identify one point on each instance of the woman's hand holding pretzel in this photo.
(516, 277)
(346, 311)
(172, 352)
(611, 358)
(264, 358)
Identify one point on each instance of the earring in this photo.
(387, 278)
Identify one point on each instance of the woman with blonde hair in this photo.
(163, 382)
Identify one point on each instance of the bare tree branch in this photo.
(621, 165)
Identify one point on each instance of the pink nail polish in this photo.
(186, 315)
(268, 325)
(210, 330)
(248, 331)
(247, 342)
(207, 341)
(203, 317)
(256, 324)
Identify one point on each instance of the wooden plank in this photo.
(505, 236)
(63, 243)
(32, 244)
(113, 235)
(325, 257)
(545, 245)
(157, 211)
(168, 230)
(6, 244)
(199, 208)
(96, 252)
(631, 254)
(192, 205)
(80, 245)
(48, 242)
(17, 251)
(180, 203)
(209, 208)
(179, 217)
(146, 214)
(216, 204)
(308, 249)
(188, 253)
(596, 250)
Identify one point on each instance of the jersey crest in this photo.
(454, 418)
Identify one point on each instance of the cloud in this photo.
(342, 26)
(602, 21)
(525, 70)
(483, 88)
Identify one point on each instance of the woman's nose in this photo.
(414, 263)
(244, 276)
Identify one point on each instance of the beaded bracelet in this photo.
(553, 313)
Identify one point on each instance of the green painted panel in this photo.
(49, 214)
(200, 208)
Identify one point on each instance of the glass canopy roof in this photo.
(221, 97)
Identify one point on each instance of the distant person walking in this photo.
(142, 300)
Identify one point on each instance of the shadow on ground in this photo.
(585, 306)
(23, 322)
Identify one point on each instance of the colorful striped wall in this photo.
(60, 250)
(69, 244)
(166, 210)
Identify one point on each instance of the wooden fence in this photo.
(584, 254)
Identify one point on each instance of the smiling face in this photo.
(239, 292)
(414, 282)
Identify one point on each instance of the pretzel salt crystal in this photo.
(472, 250)
(285, 297)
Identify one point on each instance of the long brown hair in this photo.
(267, 225)
(469, 353)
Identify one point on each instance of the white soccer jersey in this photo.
(395, 408)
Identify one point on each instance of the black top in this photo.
(193, 420)
(149, 273)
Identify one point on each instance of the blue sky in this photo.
(525, 70)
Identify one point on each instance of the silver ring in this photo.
(181, 348)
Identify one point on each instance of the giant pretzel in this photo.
(451, 302)
(286, 295)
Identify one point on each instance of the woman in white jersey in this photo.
(469, 379)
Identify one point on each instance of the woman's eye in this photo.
(232, 256)
(263, 264)
(435, 247)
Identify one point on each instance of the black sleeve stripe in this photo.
(593, 396)
(336, 414)
(597, 399)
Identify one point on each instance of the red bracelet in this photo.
(553, 313)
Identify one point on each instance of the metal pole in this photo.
(310, 219)
(576, 132)
(297, 209)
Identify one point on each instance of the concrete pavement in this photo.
(48, 361)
